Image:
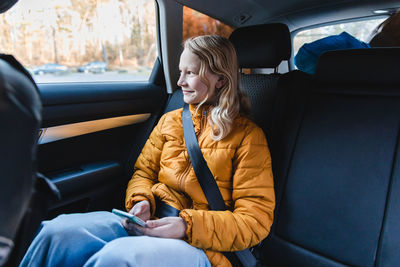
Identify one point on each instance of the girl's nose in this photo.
(181, 80)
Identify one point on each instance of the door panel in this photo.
(92, 169)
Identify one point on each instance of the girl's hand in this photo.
(167, 227)
(141, 210)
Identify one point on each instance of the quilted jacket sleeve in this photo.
(253, 197)
(146, 170)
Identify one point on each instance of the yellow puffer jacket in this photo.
(241, 165)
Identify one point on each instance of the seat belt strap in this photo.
(210, 188)
(203, 173)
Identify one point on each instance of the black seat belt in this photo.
(210, 188)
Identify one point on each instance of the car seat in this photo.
(24, 194)
(20, 117)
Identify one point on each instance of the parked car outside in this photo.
(53, 68)
(94, 67)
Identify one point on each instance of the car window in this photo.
(196, 23)
(74, 40)
(361, 30)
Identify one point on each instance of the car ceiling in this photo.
(295, 13)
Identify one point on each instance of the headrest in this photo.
(372, 66)
(20, 117)
(262, 46)
(6, 4)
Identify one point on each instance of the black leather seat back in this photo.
(339, 187)
(6, 4)
(262, 46)
(20, 117)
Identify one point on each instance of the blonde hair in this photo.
(218, 55)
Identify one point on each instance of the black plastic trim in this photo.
(157, 75)
(86, 177)
(78, 93)
(77, 102)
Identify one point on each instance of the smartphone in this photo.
(130, 217)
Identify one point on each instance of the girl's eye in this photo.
(186, 72)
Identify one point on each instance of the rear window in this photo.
(74, 40)
(361, 30)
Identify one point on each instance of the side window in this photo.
(196, 23)
(361, 30)
(82, 41)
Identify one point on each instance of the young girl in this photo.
(236, 153)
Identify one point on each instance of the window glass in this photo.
(196, 23)
(361, 30)
(75, 40)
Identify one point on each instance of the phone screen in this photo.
(130, 217)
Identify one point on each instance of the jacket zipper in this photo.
(203, 120)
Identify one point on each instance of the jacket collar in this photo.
(203, 108)
(202, 113)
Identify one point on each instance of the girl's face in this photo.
(194, 90)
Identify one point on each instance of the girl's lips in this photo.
(187, 92)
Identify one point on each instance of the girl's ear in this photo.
(221, 82)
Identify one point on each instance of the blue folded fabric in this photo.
(307, 57)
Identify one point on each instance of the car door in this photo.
(91, 135)
(94, 124)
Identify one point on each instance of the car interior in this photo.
(333, 136)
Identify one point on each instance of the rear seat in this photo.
(262, 46)
(338, 176)
(266, 46)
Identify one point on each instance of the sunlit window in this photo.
(362, 30)
(75, 40)
(196, 23)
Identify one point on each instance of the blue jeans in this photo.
(99, 239)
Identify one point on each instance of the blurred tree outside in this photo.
(121, 33)
(74, 32)
(196, 23)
